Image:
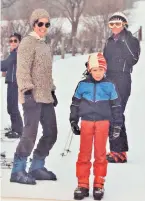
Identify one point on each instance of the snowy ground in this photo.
(124, 182)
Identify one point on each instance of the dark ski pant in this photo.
(33, 113)
(123, 84)
(13, 108)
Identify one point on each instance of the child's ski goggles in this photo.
(116, 24)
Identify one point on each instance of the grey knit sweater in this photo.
(34, 69)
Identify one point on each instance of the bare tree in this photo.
(20, 9)
(72, 10)
(4, 42)
(92, 33)
(54, 36)
(15, 9)
(95, 23)
(7, 3)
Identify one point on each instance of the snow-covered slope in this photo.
(124, 182)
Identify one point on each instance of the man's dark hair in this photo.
(16, 35)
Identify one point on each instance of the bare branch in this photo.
(72, 10)
(7, 3)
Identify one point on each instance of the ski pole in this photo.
(68, 150)
(68, 143)
(65, 146)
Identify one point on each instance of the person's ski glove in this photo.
(75, 128)
(54, 98)
(115, 133)
(29, 99)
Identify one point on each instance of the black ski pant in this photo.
(123, 84)
(33, 114)
(13, 108)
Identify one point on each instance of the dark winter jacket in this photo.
(96, 101)
(9, 65)
(123, 53)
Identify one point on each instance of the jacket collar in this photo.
(118, 36)
(35, 35)
(90, 78)
(123, 35)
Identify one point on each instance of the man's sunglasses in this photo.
(13, 41)
(116, 24)
(41, 24)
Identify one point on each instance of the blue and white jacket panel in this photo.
(96, 101)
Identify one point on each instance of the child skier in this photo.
(96, 102)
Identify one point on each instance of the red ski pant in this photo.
(97, 133)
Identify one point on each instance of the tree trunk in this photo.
(62, 48)
(73, 46)
(73, 36)
(74, 29)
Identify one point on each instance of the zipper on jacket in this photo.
(13, 73)
(94, 98)
(95, 86)
(130, 50)
(124, 66)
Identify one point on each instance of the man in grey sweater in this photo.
(37, 95)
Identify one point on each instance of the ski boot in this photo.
(98, 193)
(39, 172)
(80, 193)
(12, 135)
(115, 157)
(22, 177)
(19, 174)
(43, 174)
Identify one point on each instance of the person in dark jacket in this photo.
(9, 66)
(96, 102)
(121, 52)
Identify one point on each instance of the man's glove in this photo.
(54, 98)
(29, 99)
(115, 133)
(75, 128)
